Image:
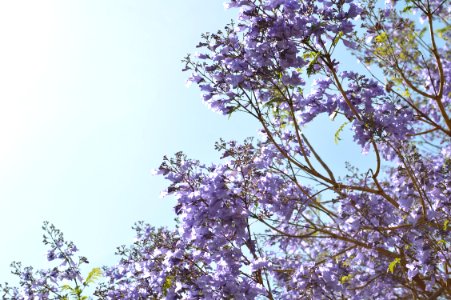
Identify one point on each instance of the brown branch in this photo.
(439, 96)
(319, 159)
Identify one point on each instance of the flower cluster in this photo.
(272, 219)
(62, 281)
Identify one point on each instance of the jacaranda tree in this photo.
(274, 219)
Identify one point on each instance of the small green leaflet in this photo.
(67, 288)
(408, 8)
(340, 129)
(445, 225)
(311, 65)
(392, 265)
(381, 38)
(167, 284)
(345, 279)
(337, 38)
(76, 292)
(443, 30)
(93, 276)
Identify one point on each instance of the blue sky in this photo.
(91, 98)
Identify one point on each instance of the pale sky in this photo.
(91, 98)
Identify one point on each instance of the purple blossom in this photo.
(273, 218)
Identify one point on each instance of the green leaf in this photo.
(167, 284)
(345, 279)
(274, 100)
(77, 291)
(93, 276)
(408, 8)
(337, 38)
(309, 54)
(300, 91)
(396, 80)
(445, 225)
(340, 129)
(402, 56)
(422, 32)
(311, 65)
(392, 265)
(443, 30)
(406, 93)
(67, 288)
(381, 38)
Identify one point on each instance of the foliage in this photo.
(63, 281)
(273, 219)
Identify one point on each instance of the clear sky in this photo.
(91, 98)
